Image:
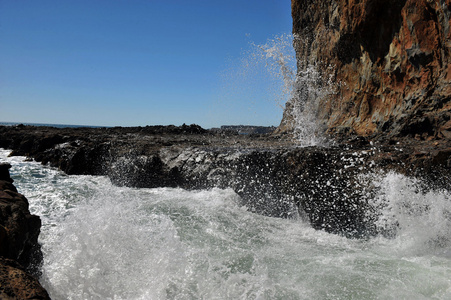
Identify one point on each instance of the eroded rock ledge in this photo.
(20, 255)
(273, 176)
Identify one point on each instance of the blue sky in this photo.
(136, 63)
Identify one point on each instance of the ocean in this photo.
(48, 125)
(106, 242)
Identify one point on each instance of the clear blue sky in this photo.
(135, 63)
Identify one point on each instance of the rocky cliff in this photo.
(387, 65)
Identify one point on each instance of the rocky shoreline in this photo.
(272, 174)
(20, 254)
(328, 186)
(389, 111)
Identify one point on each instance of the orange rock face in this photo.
(390, 61)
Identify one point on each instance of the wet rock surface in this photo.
(272, 175)
(387, 65)
(17, 283)
(20, 254)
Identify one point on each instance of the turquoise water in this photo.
(106, 242)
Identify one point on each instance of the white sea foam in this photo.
(107, 242)
(420, 219)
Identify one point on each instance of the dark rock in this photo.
(20, 229)
(20, 253)
(16, 283)
(4, 172)
(272, 175)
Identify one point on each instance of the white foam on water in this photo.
(106, 242)
(420, 218)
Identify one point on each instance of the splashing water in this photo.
(419, 218)
(106, 242)
(263, 77)
(309, 88)
(273, 65)
(280, 63)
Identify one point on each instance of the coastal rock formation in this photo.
(387, 65)
(16, 283)
(19, 246)
(380, 84)
(272, 176)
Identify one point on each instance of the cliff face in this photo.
(389, 62)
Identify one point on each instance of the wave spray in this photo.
(268, 71)
(106, 242)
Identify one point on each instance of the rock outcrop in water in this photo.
(19, 246)
(273, 176)
(389, 62)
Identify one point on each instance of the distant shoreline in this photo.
(240, 129)
(50, 125)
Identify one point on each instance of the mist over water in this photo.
(261, 77)
(106, 242)
(267, 73)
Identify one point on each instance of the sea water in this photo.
(106, 242)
